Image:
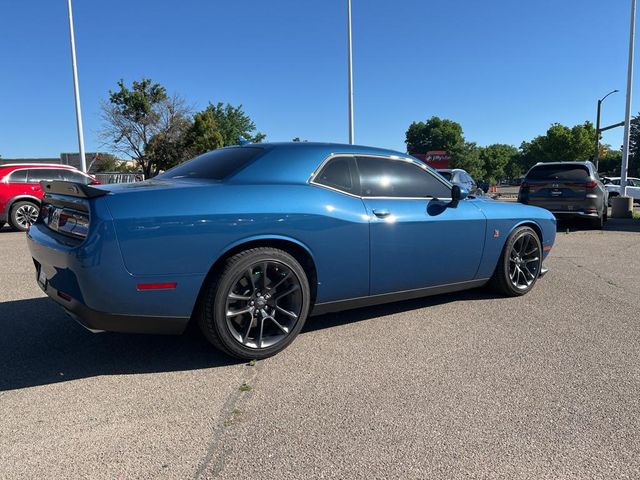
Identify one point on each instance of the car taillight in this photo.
(66, 221)
(591, 184)
(73, 223)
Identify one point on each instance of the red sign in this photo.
(435, 158)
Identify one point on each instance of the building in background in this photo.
(72, 159)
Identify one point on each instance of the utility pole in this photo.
(350, 68)
(76, 90)
(596, 156)
(627, 113)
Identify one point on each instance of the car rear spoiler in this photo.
(72, 189)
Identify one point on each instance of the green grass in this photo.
(635, 215)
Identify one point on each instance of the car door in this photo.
(417, 239)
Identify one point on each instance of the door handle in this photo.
(381, 213)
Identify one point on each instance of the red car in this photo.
(20, 191)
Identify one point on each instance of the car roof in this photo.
(295, 162)
(583, 163)
(36, 165)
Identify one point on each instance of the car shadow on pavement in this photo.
(612, 225)
(357, 315)
(40, 344)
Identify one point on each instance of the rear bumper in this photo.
(101, 321)
(90, 282)
(565, 214)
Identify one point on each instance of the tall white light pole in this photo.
(627, 115)
(76, 90)
(349, 59)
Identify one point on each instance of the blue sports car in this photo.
(249, 241)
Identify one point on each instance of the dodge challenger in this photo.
(249, 241)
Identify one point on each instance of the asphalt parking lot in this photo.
(466, 385)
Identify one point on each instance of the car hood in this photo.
(504, 209)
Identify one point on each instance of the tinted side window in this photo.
(338, 173)
(36, 175)
(71, 176)
(19, 176)
(381, 177)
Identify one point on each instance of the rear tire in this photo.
(519, 265)
(256, 305)
(597, 223)
(22, 215)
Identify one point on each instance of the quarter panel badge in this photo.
(496, 233)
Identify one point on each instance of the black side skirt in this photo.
(328, 307)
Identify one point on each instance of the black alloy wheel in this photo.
(257, 305)
(520, 263)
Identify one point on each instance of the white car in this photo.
(612, 184)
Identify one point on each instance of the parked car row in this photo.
(20, 192)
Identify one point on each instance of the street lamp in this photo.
(76, 90)
(350, 72)
(622, 206)
(596, 157)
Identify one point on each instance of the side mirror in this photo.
(458, 193)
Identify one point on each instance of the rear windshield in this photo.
(559, 172)
(215, 165)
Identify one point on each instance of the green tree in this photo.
(233, 123)
(218, 126)
(495, 159)
(610, 160)
(135, 115)
(560, 143)
(203, 135)
(466, 155)
(104, 162)
(434, 134)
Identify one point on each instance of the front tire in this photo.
(257, 304)
(520, 263)
(22, 215)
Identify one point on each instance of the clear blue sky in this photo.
(504, 69)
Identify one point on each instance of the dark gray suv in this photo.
(567, 189)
